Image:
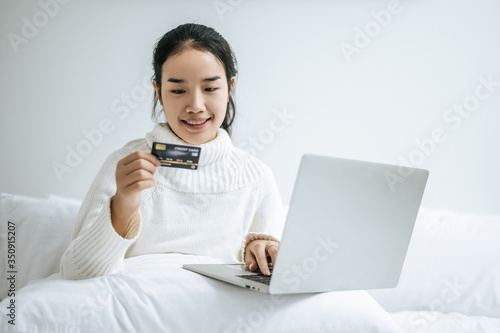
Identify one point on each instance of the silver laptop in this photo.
(348, 228)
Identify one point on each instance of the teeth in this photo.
(196, 122)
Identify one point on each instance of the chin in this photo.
(194, 137)
(200, 138)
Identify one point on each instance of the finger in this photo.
(126, 197)
(272, 252)
(137, 176)
(141, 185)
(123, 171)
(139, 164)
(137, 155)
(250, 259)
(262, 260)
(124, 183)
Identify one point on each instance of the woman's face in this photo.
(194, 95)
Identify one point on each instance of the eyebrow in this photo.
(208, 79)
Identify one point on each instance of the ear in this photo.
(158, 92)
(230, 88)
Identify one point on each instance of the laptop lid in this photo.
(348, 227)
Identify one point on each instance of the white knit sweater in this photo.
(214, 211)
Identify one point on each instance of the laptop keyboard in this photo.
(259, 277)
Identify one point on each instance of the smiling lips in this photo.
(196, 124)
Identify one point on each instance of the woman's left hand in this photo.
(257, 253)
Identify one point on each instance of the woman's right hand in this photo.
(134, 173)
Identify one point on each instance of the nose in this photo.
(196, 103)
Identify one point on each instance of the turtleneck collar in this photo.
(210, 151)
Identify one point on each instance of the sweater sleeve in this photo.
(269, 219)
(96, 249)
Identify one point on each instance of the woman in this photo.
(228, 208)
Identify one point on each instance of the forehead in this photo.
(192, 63)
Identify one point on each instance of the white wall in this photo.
(71, 73)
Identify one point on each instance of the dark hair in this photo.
(201, 38)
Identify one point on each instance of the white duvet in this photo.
(450, 284)
(438, 322)
(154, 294)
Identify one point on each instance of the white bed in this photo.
(450, 283)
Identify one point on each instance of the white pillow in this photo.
(42, 229)
(452, 265)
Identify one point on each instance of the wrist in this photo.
(120, 216)
(119, 209)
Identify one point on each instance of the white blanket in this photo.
(451, 279)
(154, 294)
(438, 322)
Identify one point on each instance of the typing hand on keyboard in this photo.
(258, 271)
(260, 254)
(258, 276)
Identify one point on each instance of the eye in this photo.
(177, 91)
(211, 89)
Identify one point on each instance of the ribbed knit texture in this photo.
(215, 211)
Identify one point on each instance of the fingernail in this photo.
(266, 271)
(250, 267)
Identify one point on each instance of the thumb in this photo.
(251, 262)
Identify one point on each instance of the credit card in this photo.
(176, 156)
